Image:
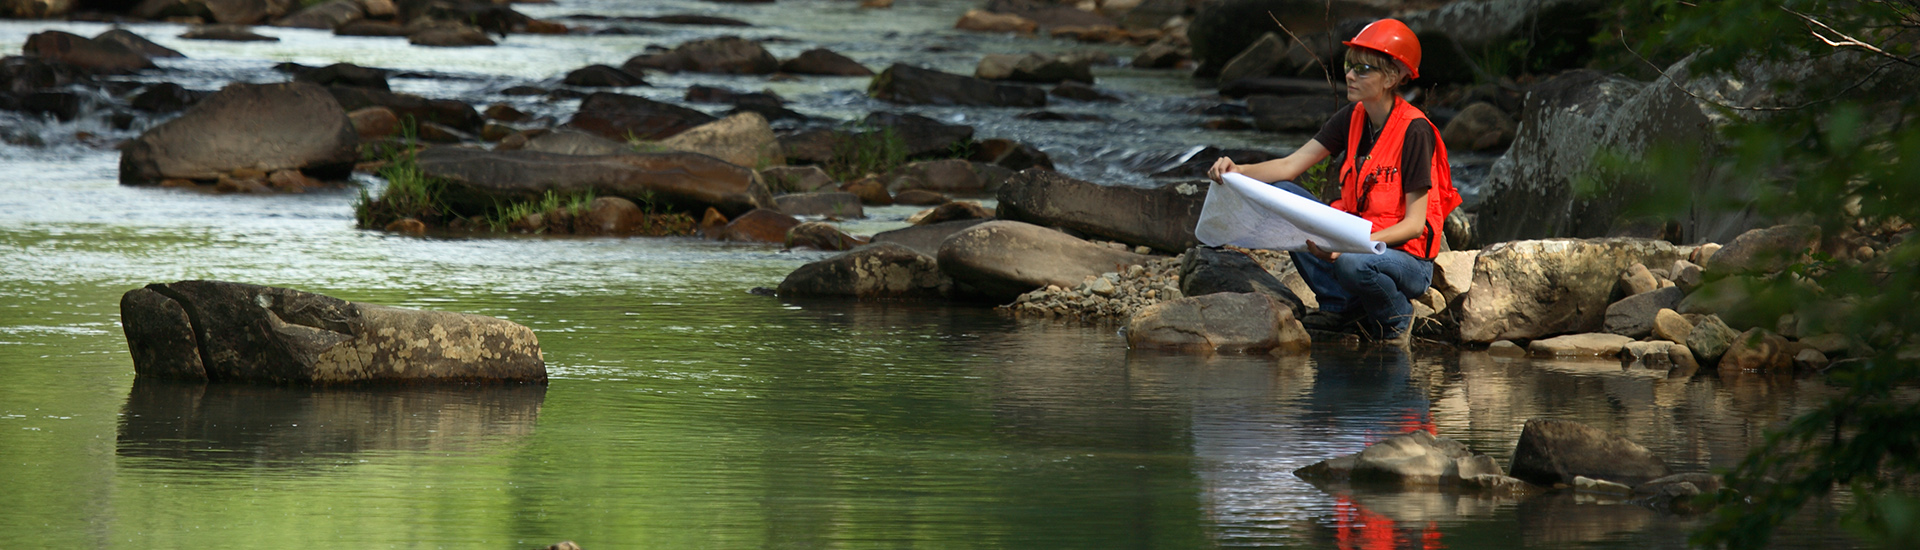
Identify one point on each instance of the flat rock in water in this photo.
(821, 236)
(686, 182)
(1004, 259)
(266, 127)
(1224, 323)
(1161, 218)
(822, 61)
(228, 33)
(879, 271)
(233, 332)
(759, 225)
(797, 179)
(621, 117)
(1555, 451)
(1592, 344)
(925, 239)
(744, 139)
(98, 57)
(137, 43)
(838, 204)
(911, 85)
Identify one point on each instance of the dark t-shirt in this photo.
(1416, 153)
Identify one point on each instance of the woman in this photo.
(1395, 175)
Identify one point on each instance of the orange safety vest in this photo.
(1373, 191)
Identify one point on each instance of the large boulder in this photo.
(1260, 59)
(450, 113)
(565, 141)
(1531, 289)
(217, 331)
(1416, 458)
(136, 43)
(1160, 218)
(879, 271)
(94, 56)
(1533, 191)
(725, 54)
(822, 61)
(1634, 315)
(1004, 259)
(346, 74)
(918, 136)
(1225, 322)
(1554, 451)
(744, 139)
(1765, 250)
(622, 117)
(902, 83)
(265, 127)
(1207, 270)
(477, 180)
(1036, 67)
(925, 239)
(1486, 25)
(950, 176)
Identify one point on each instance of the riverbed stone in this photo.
(1636, 315)
(602, 76)
(907, 84)
(744, 139)
(137, 43)
(568, 141)
(613, 216)
(878, 271)
(1529, 289)
(447, 112)
(986, 21)
(1160, 218)
(344, 74)
(98, 57)
(1554, 451)
(1261, 58)
(1671, 326)
(1586, 345)
(1686, 275)
(1036, 68)
(722, 55)
(450, 37)
(234, 12)
(1300, 113)
(1710, 338)
(683, 182)
(1637, 279)
(954, 176)
(1759, 350)
(1480, 126)
(1004, 259)
(838, 204)
(951, 211)
(1654, 355)
(1227, 322)
(324, 15)
(1764, 250)
(1413, 458)
(226, 33)
(759, 225)
(1207, 270)
(621, 117)
(925, 239)
(797, 179)
(252, 333)
(372, 123)
(921, 197)
(918, 135)
(265, 127)
(822, 61)
(821, 236)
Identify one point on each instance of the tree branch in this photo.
(1324, 69)
(1844, 41)
(1676, 84)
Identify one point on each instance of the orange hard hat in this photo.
(1391, 37)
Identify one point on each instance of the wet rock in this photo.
(447, 112)
(1414, 458)
(1686, 275)
(1162, 54)
(1161, 218)
(1555, 451)
(1197, 164)
(1081, 92)
(250, 333)
(1011, 155)
(621, 117)
(1479, 127)
(575, 142)
(838, 204)
(227, 33)
(1655, 355)
(406, 226)
(1529, 289)
(683, 19)
(433, 132)
(1582, 484)
(796, 179)
(822, 61)
(1506, 348)
(1710, 339)
(1207, 270)
(165, 97)
(681, 182)
(956, 176)
(1811, 360)
(1635, 315)
(450, 37)
(985, 21)
(135, 42)
(1218, 323)
(346, 74)
(292, 125)
(506, 113)
(919, 135)
(325, 15)
(921, 197)
(925, 238)
(602, 76)
(1590, 344)
(821, 236)
(725, 55)
(911, 85)
(879, 271)
(1259, 59)
(231, 12)
(97, 57)
(371, 28)
(1765, 250)
(1637, 279)
(951, 211)
(1035, 67)
(1703, 482)
(870, 189)
(610, 216)
(1758, 350)
(759, 225)
(1292, 113)
(1670, 326)
(1004, 259)
(744, 139)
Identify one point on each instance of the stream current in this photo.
(686, 413)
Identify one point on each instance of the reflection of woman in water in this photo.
(1395, 175)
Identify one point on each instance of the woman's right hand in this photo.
(1222, 167)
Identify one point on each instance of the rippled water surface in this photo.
(685, 412)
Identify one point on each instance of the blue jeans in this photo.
(1380, 284)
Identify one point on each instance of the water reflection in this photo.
(217, 426)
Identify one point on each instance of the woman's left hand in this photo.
(1320, 253)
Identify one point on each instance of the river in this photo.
(685, 412)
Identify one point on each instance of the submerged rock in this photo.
(725, 54)
(822, 61)
(1555, 451)
(1226, 322)
(234, 332)
(879, 271)
(911, 85)
(265, 127)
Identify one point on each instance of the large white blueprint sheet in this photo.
(1245, 212)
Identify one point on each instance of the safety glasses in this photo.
(1362, 69)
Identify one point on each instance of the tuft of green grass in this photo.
(864, 151)
(410, 192)
(503, 216)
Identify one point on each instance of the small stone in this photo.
(1506, 348)
(1685, 274)
(407, 226)
(1810, 360)
(1705, 251)
(1585, 484)
(1637, 279)
(1669, 325)
(1101, 286)
(1142, 250)
(1684, 366)
(1590, 344)
(1829, 343)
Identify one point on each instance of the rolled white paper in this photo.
(1247, 213)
